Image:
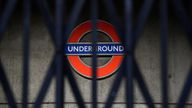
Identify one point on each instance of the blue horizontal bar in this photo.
(101, 49)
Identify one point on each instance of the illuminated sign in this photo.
(75, 49)
(101, 49)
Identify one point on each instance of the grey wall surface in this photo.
(147, 54)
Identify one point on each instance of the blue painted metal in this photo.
(26, 42)
(94, 9)
(129, 54)
(50, 74)
(129, 36)
(59, 61)
(164, 54)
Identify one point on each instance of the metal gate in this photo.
(129, 35)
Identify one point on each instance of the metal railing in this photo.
(129, 35)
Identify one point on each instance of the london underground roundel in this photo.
(108, 49)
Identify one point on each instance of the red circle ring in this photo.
(85, 70)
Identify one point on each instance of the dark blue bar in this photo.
(94, 15)
(101, 49)
(26, 26)
(128, 64)
(164, 52)
(59, 16)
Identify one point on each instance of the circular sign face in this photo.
(75, 49)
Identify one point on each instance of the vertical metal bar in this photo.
(137, 31)
(26, 22)
(139, 78)
(50, 74)
(164, 48)
(72, 20)
(129, 53)
(59, 6)
(94, 5)
(42, 4)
